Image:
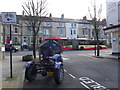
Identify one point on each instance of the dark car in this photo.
(7, 48)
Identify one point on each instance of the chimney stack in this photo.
(62, 16)
(50, 15)
(84, 18)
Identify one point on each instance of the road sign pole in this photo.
(10, 52)
(10, 19)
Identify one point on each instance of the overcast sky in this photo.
(75, 9)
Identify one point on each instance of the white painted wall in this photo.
(68, 31)
(119, 12)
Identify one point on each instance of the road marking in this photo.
(89, 83)
(65, 58)
(72, 76)
(85, 85)
(65, 70)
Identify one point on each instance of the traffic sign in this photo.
(8, 17)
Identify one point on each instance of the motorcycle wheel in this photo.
(31, 73)
(59, 75)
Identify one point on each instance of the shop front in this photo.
(115, 38)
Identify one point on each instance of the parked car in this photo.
(24, 46)
(7, 48)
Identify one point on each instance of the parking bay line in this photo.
(72, 76)
(65, 70)
(65, 58)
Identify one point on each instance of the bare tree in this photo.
(36, 13)
(96, 23)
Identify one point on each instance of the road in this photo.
(82, 71)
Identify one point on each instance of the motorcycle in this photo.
(47, 65)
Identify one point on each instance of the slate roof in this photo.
(50, 19)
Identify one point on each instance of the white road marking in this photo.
(72, 76)
(85, 85)
(65, 70)
(65, 58)
(85, 81)
(84, 78)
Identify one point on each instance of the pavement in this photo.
(108, 56)
(19, 71)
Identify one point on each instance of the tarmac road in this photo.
(82, 70)
(100, 71)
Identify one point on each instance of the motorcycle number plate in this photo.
(49, 73)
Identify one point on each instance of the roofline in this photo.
(115, 26)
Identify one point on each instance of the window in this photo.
(61, 24)
(31, 40)
(44, 23)
(86, 26)
(58, 24)
(16, 39)
(48, 23)
(73, 25)
(46, 32)
(71, 32)
(60, 32)
(24, 39)
(83, 32)
(40, 39)
(16, 31)
(74, 31)
(86, 33)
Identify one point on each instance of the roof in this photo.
(67, 20)
(112, 27)
(50, 19)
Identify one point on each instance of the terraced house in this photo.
(1, 32)
(51, 27)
